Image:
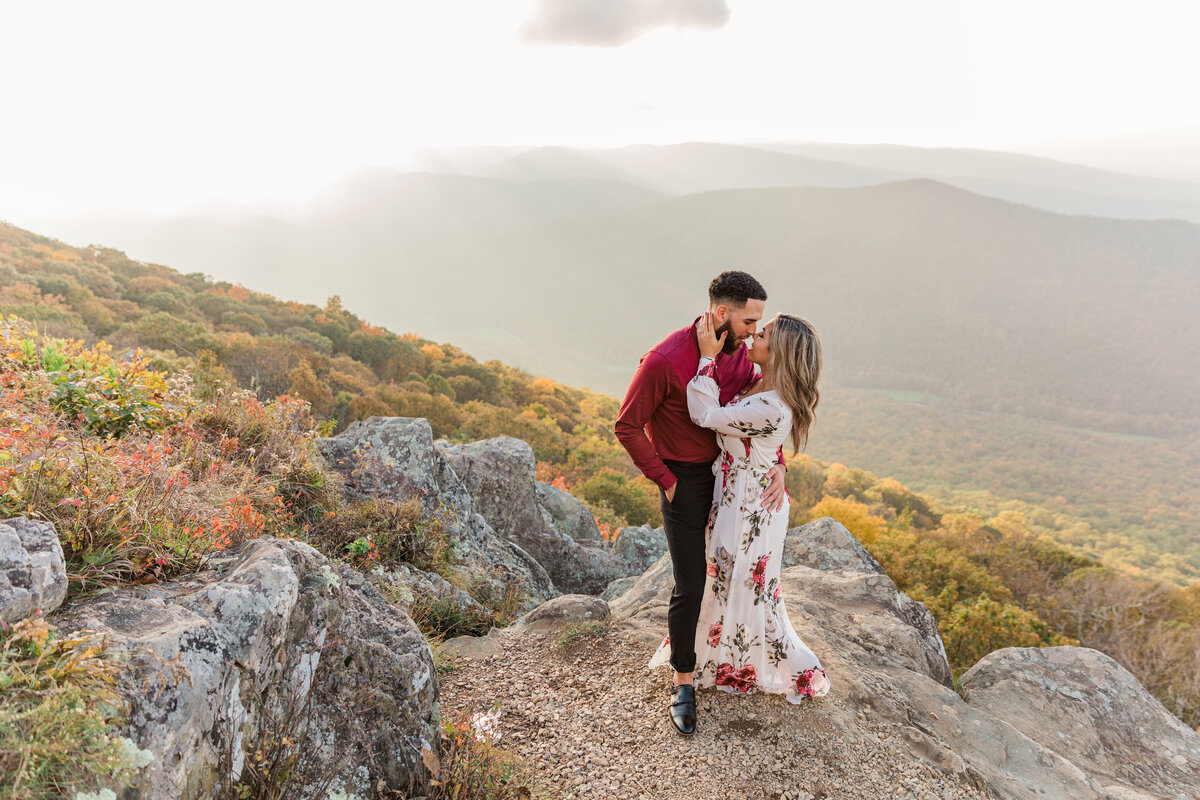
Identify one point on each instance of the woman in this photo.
(744, 638)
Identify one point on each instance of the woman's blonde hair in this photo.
(795, 361)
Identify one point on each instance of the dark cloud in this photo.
(609, 23)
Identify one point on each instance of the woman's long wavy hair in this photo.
(795, 361)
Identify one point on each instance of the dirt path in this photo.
(594, 724)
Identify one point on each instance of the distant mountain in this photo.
(1173, 154)
(914, 284)
(689, 168)
(697, 166)
(701, 167)
(1040, 182)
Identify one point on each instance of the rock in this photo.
(475, 647)
(499, 474)
(33, 573)
(640, 547)
(880, 648)
(394, 458)
(618, 587)
(561, 610)
(932, 750)
(566, 513)
(646, 601)
(999, 759)
(267, 634)
(825, 544)
(405, 583)
(389, 457)
(1087, 708)
(889, 625)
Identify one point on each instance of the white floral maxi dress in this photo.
(744, 638)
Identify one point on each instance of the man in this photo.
(654, 426)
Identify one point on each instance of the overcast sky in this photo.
(159, 105)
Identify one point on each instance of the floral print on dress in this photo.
(742, 679)
(744, 638)
(720, 570)
(805, 681)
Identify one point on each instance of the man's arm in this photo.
(646, 393)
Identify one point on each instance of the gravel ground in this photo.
(592, 722)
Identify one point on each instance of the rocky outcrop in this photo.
(1087, 708)
(1061, 722)
(563, 512)
(826, 560)
(268, 641)
(33, 574)
(639, 547)
(499, 474)
(394, 458)
(825, 544)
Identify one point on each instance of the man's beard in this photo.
(731, 344)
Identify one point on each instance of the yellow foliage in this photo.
(856, 516)
(434, 352)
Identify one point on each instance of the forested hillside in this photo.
(991, 579)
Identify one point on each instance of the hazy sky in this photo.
(151, 106)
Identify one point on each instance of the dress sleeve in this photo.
(759, 417)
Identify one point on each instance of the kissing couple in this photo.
(705, 417)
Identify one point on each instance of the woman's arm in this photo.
(759, 417)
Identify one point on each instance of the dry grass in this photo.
(58, 704)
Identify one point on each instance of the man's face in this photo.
(740, 323)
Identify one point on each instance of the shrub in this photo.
(972, 630)
(855, 516)
(57, 706)
(635, 500)
(390, 532)
(473, 767)
(576, 634)
(442, 618)
(97, 392)
(183, 478)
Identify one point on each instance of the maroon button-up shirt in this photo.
(654, 423)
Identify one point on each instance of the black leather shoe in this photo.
(683, 708)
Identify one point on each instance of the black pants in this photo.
(684, 521)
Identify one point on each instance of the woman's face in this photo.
(759, 345)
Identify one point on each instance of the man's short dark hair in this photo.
(733, 288)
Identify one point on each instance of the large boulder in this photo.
(33, 573)
(639, 547)
(1037, 725)
(1087, 708)
(268, 641)
(394, 458)
(825, 544)
(563, 609)
(565, 513)
(387, 457)
(500, 474)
